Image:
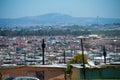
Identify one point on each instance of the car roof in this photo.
(24, 77)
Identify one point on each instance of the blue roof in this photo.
(52, 38)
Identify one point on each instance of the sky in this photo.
(76, 8)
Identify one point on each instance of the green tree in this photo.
(77, 59)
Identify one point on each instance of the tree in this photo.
(77, 59)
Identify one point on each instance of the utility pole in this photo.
(83, 59)
(64, 57)
(0, 76)
(43, 51)
(104, 54)
(65, 63)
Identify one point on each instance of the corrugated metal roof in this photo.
(80, 65)
(54, 66)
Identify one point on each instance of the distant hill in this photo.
(55, 18)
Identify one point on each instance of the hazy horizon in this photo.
(75, 8)
(60, 14)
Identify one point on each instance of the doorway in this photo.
(40, 75)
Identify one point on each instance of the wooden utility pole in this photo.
(43, 51)
(104, 54)
(83, 59)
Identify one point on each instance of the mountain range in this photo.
(56, 18)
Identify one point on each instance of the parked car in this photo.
(9, 78)
(22, 78)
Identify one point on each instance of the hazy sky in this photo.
(79, 8)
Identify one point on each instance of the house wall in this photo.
(96, 73)
(50, 73)
(75, 74)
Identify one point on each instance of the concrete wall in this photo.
(96, 73)
(50, 73)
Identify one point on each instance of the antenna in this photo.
(97, 20)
